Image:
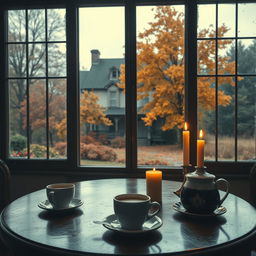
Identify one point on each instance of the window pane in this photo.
(57, 118)
(17, 118)
(247, 56)
(206, 90)
(16, 26)
(17, 60)
(246, 125)
(36, 25)
(247, 19)
(36, 60)
(56, 24)
(206, 57)
(57, 59)
(226, 119)
(160, 84)
(206, 26)
(226, 20)
(37, 118)
(101, 47)
(226, 57)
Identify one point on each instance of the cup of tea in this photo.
(60, 194)
(132, 210)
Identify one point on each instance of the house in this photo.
(102, 79)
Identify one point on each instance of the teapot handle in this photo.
(227, 189)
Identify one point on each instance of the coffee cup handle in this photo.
(227, 189)
(51, 196)
(150, 215)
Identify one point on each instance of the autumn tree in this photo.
(37, 111)
(91, 112)
(160, 68)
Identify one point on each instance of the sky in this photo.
(102, 28)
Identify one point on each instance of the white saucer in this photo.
(179, 208)
(46, 205)
(149, 225)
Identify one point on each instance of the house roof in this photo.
(98, 76)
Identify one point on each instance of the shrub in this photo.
(61, 148)
(87, 139)
(118, 142)
(18, 142)
(152, 162)
(103, 139)
(97, 152)
(39, 151)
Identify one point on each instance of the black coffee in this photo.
(200, 201)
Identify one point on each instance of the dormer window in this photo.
(114, 73)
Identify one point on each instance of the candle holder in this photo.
(185, 170)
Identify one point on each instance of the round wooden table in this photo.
(29, 229)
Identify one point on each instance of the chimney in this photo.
(95, 56)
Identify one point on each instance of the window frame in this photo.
(71, 164)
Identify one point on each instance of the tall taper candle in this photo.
(186, 135)
(200, 150)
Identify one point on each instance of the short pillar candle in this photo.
(154, 185)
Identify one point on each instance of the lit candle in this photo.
(186, 135)
(154, 184)
(200, 150)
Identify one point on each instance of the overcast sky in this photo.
(102, 28)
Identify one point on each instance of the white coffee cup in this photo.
(132, 210)
(60, 194)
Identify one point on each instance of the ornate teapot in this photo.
(199, 193)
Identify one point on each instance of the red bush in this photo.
(97, 152)
(87, 139)
(118, 142)
(61, 148)
(103, 139)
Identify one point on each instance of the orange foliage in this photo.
(91, 112)
(160, 68)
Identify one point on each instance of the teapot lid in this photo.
(200, 174)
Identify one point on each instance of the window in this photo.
(82, 96)
(36, 46)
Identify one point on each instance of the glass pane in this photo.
(57, 98)
(247, 56)
(226, 119)
(56, 24)
(206, 57)
(206, 90)
(37, 118)
(160, 85)
(16, 26)
(206, 26)
(57, 59)
(17, 60)
(247, 19)
(36, 25)
(226, 57)
(17, 118)
(226, 20)
(36, 60)
(246, 123)
(101, 40)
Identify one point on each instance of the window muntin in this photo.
(37, 83)
(227, 54)
(102, 106)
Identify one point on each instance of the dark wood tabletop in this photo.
(27, 228)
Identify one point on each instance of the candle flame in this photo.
(154, 169)
(185, 126)
(201, 134)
